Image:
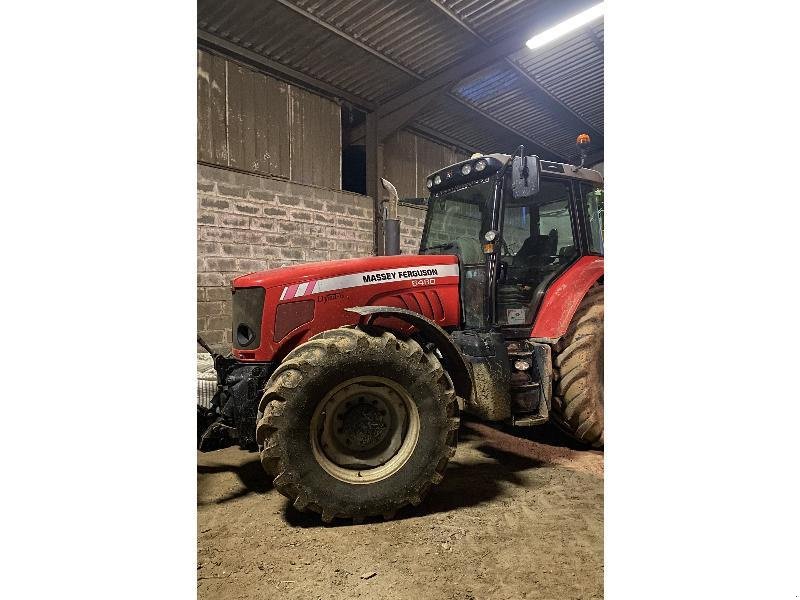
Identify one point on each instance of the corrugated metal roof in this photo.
(411, 33)
(498, 91)
(495, 19)
(276, 32)
(572, 71)
(376, 49)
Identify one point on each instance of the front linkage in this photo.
(234, 407)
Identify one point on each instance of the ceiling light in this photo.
(565, 27)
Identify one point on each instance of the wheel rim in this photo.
(364, 430)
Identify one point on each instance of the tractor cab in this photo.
(515, 223)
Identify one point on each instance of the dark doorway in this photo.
(354, 157)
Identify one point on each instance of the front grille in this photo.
(248, 309)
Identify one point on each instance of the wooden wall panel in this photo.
(408, 160)
(212, 143)
(247, 119)
(430, 157)
(400, 163)
(258, 122)
(315, 139)
(277, 133)
(253, 122)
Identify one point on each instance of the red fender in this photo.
(564, 295)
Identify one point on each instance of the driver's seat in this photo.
(537, 250)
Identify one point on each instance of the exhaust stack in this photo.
(391, 224)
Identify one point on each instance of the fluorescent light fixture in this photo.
(563, 28)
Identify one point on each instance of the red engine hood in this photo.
(334, 268)
(304, 300)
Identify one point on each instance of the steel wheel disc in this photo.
(364, 430)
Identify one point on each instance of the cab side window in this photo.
(554, 220)
(593, 209)
(537, 231)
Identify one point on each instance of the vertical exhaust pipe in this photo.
(391, 224)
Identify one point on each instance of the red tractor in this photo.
(350, 375)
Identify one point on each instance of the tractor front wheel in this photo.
(356, 425)
(578, 362)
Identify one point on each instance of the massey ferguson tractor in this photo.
(349, 376)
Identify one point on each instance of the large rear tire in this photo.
(356, 425)
(578, 372)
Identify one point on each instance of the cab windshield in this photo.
(456, 222)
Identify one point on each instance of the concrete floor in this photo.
(512, 519)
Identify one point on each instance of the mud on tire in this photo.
(307, 375)
(578, 373)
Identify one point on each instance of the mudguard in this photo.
(563, 297)
(452, 360)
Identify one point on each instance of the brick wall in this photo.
(412, 220)
(249, 223)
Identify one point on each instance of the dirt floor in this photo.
(512, 519)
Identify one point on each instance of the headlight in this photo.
(429, 183)
(244, 335)
(480, 165)
(466, 169)
(437, 180)
(490, 235)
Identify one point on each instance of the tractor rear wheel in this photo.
(356, 425)
(578, 373)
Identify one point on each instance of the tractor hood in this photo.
(383, 267)
(274, 311)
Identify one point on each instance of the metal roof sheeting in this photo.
(276, 32)
(410, 33)
(494, 19)
(572, 71)
(376, 49)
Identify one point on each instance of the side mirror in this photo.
(525, 176)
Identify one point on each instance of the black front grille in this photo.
(248, 309)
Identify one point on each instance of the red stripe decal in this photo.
(291, 291)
